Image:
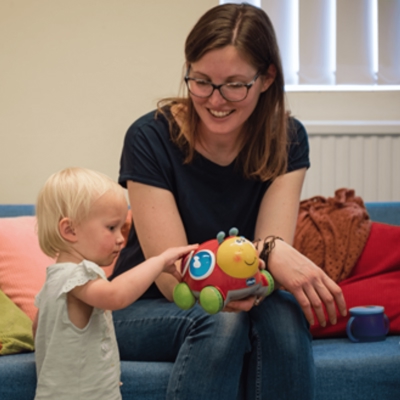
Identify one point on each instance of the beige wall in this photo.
(75, 74)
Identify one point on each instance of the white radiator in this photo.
(360, 159)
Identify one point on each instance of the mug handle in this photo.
(348, 330)
(387, 323)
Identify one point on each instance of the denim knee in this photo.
(280, 316)
(281, 363)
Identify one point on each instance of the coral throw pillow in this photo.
(22, 262)
(374, 280)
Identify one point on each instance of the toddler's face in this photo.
(99, 236)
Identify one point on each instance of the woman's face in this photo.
(217, 115)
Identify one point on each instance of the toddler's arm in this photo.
(129, 286)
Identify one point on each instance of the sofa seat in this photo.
(357, 371)
(141, 380)
(344, 370)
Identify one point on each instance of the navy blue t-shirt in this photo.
(210, 198)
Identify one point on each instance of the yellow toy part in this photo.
(238, 257)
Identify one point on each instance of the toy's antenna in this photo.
(233, 231)
(220, 237)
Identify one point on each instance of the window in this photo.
(330, 43)
(341, 60)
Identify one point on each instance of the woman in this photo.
(226, 155)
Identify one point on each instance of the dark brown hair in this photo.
(263, 154)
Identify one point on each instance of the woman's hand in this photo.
(308, 283)
(247, 303)
(241, 305)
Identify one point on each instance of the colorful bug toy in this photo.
(222, 270)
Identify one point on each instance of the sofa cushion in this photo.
(22, 263)
(140, 380)
(15, 328)
(357, 371)
(375, 280)
(17, 377)
(344, 370)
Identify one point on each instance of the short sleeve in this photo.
(84, 272)
(299, 149)
(147, 153)
(37, 300)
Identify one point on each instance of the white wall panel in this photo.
(328, 165)
(342, 149)
(356, 165)
(367, 163)
(385, 170)
(395, 157)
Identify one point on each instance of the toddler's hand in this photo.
(173, 254)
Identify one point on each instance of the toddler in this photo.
(80, 214)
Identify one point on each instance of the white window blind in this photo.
(337, 42)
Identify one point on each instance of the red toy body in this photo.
(222, 270)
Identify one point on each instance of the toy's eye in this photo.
(239, 240)
(202, 264)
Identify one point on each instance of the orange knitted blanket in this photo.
(332, 232)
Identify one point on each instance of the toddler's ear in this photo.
(67, 231)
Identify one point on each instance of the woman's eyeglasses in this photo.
(232, 91)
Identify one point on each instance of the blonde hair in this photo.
(69, 193)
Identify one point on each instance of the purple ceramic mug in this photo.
(367, 324)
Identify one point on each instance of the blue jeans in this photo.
(263, 354)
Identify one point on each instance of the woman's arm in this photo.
(158, 226)
(277, 216)
(279, 208)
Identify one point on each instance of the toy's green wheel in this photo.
(211, 300)
(270, 280)
(183, 296)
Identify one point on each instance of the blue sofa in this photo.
(345, 370)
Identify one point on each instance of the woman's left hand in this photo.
(247, 303)
(241, 305)
(308, 283)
